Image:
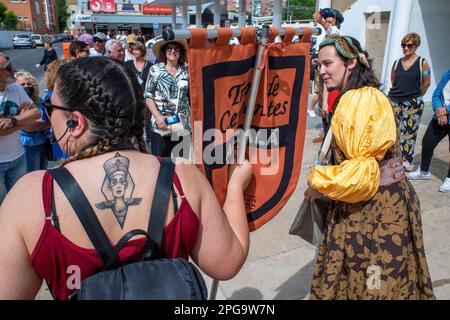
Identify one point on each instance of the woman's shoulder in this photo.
(364, 91)
(23, 200)
(366, 100)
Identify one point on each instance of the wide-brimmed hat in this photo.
(158, 45)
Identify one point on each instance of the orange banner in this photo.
(220, 81)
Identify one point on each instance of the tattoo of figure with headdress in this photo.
(118, 188)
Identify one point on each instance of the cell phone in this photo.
(172, 119)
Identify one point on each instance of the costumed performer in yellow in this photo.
(373, 245)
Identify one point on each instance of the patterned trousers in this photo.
(408, 115)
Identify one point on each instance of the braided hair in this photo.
(107, 93)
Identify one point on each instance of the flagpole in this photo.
(242, 143)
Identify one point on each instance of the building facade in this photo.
(258, 8)
(117, 15)
(38, 16)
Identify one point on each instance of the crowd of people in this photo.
(108, 103)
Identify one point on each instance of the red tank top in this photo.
(60, 262)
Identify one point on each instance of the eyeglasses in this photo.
(176, 49)
(409, 45)
(84, 50)
(98, 40)
(48, 106)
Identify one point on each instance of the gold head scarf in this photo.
(345, 48)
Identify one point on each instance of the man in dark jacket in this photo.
(49, 54)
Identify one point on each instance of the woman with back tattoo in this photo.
(96, 112)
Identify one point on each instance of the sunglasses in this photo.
(48, 106)
(176, 49)
(409, 45)
(98, 40)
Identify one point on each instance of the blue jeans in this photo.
(36, 159)
(10, 172)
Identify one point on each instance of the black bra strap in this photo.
(54, 215)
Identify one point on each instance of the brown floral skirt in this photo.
(374, 249)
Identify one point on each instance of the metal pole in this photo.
(198, 13)
(276, 22)
(214, 287)
(217, 12)
(174, 16)
(242, 6)
(184, 15)
(264, 33)
(212, 34)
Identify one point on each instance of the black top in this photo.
(49, 56)
(406, 84)
(143, 75)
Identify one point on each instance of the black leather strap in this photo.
(53, 210)
(85, 213)
(128, 236)
(160, 203)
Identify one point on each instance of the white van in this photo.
(38, 39)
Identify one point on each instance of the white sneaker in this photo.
(445, 187)
(419, 175)
(312, 114)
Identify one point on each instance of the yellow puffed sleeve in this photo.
(364, 129)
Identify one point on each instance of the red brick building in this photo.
(38, 16)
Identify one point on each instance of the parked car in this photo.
(23, 40)
(38, 39)
(149, 45)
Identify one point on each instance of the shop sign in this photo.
(83, 18)
(148, 9)
(102, 5)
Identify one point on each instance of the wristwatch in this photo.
(13, 121)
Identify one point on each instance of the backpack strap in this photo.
(85, 214)
(161, 196)
(421, 70)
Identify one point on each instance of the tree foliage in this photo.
(10, 20)
(299, 9)
(61, 11)
(2, 11)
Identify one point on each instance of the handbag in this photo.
(151, 278)
(309, 223)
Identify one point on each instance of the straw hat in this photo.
(131, 38)
(158, 45)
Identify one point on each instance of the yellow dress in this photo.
(372, 246)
